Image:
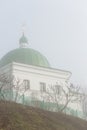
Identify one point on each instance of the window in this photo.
(58, 89)
(42, 87)
(26, 84)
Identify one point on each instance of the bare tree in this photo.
(84, 103)
(60, 96)
(84, 107)
(5, 86)
(20, 88)
(12, 88)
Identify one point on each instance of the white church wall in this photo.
(37, 74)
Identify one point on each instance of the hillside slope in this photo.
(18, 117)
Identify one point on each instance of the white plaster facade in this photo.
(36, 75)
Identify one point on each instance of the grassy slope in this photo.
(18, 117)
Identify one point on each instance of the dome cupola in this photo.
(23, 41)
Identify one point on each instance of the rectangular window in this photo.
(58, 89)
(26, 84)
(42, 87)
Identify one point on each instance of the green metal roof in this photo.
(25, 56)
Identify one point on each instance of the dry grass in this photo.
(18, 117)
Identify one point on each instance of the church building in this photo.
(33, 70)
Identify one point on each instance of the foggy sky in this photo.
(56, 28)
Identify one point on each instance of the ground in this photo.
(19, 117)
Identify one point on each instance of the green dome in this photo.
(26, 56)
